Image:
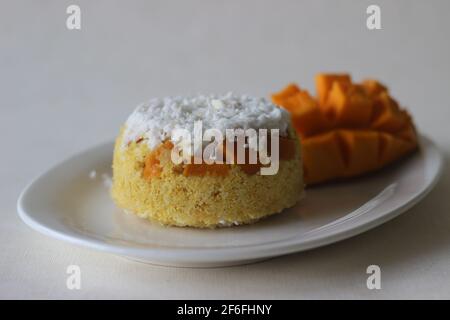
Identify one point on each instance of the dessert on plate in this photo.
(348, 129)
(153, 179)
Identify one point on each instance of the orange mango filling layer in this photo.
(152, 165)
(349, 128)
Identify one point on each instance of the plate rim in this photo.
(226, 254)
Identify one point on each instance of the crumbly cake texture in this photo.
(155, 120)
(202, 201)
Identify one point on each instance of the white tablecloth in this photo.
(62, 91)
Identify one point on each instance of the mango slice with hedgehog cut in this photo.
(349, 129)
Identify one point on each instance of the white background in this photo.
(62, 91)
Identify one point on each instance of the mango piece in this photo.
(307, 117)
(349, 106)
(152, 166)
(361, 148)
(387, 115)
(280, 97)
(294, 104)
(322, 158)
(408, 133)
(324, 82)
(288, 98)
(215, 169)
(373, 88)
(393, 148)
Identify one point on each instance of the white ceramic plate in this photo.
(69, 203)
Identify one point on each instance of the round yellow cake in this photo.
(172, 197)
